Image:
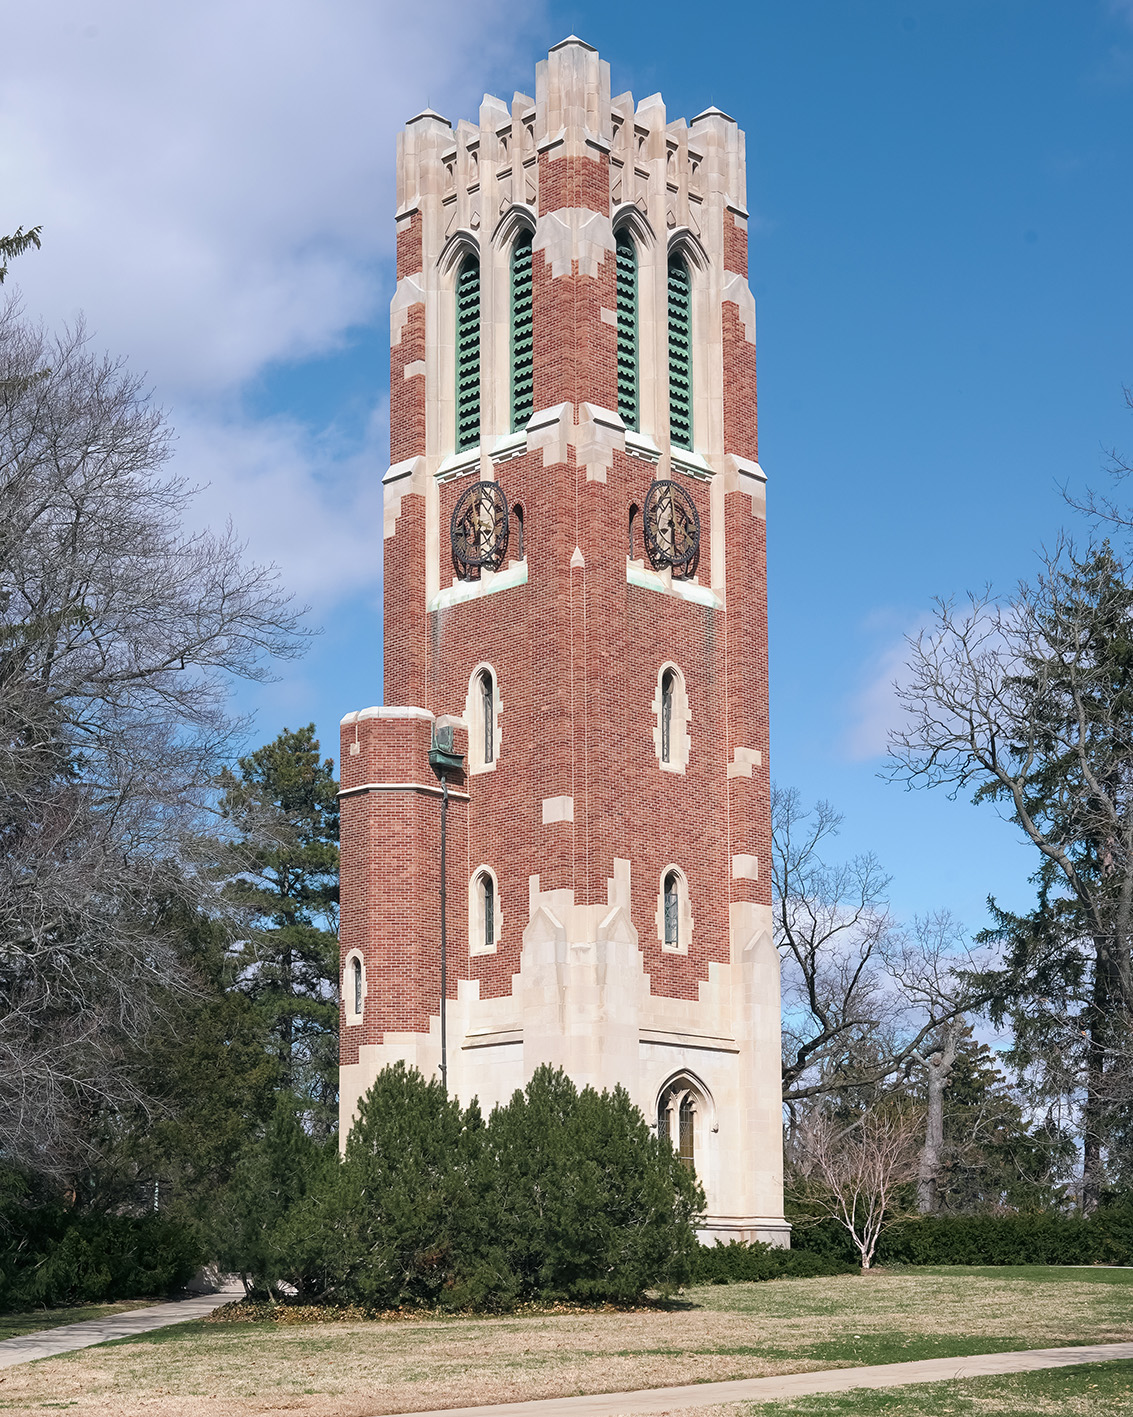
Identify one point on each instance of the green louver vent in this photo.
(468, 354)
(680, 354)
(522, 334)
(627, 330)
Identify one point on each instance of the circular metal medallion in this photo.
(672, 528)
(479, 530)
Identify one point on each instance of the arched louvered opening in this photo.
(680, 353)
(522, 333)
(468, 353)
(626, 282)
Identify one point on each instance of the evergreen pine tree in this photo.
(283, 808)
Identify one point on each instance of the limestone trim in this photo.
(429, 788)
(680, 721)
(489, 583)
(387, 711)
(518, 217)
(352, 964)
(744, 760)
(638, 574)
(705, 1043)
(558, 809)
(738, 292)
(410, 292)
(574, 234)
(474, 717)
(401, 480)
(671, 876)
(478, 944)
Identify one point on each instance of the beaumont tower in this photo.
(575, 589)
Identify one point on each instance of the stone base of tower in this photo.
(582, 1001)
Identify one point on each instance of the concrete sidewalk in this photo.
(672, 1399)
(50, 1341)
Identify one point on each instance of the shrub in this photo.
(737, 1262)
(402, 1222)
(1014, 1238)
(50, 1256)
(589, 1203)
(274, 1178)
(562, 1195)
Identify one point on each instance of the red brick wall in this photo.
(735, 245)
(390, 898)
(740, 427)
(410, 259)
(573, 182)
(407, 396)
(405, 614)
(577, 653)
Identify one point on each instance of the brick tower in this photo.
(574, 545)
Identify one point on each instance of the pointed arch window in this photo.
(522, 333)
(488, 713)
(672, 910)
(680, 353)
(676, 1121)
(356, 984)
(468, 353)
(626, 293)
(667, 680)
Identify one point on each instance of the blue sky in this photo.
(941, 197)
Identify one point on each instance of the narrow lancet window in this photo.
(522, 334)
(672, 911)
(666, 716)
(488, 712)
(634, 513)
(489, 901)
(626, 281)
(680, 353)
(468, 354)
(356, 984)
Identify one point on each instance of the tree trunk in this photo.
(938, 1069)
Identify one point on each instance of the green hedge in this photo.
(1104, 1238)
(736, 1262)
(51, 1256)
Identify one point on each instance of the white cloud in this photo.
(215, 186)
(875, 710)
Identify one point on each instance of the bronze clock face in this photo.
(479, 529)
(672, 528)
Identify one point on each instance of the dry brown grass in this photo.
(358, 1369)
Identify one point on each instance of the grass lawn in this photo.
(1097, 1389)
(352, 1369)
(16, 1325)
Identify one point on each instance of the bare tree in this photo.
(119, 633)
(1028, 702)
(854, 1171)
(862, 999)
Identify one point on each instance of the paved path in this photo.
(670, 1399)
(50, 1341)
